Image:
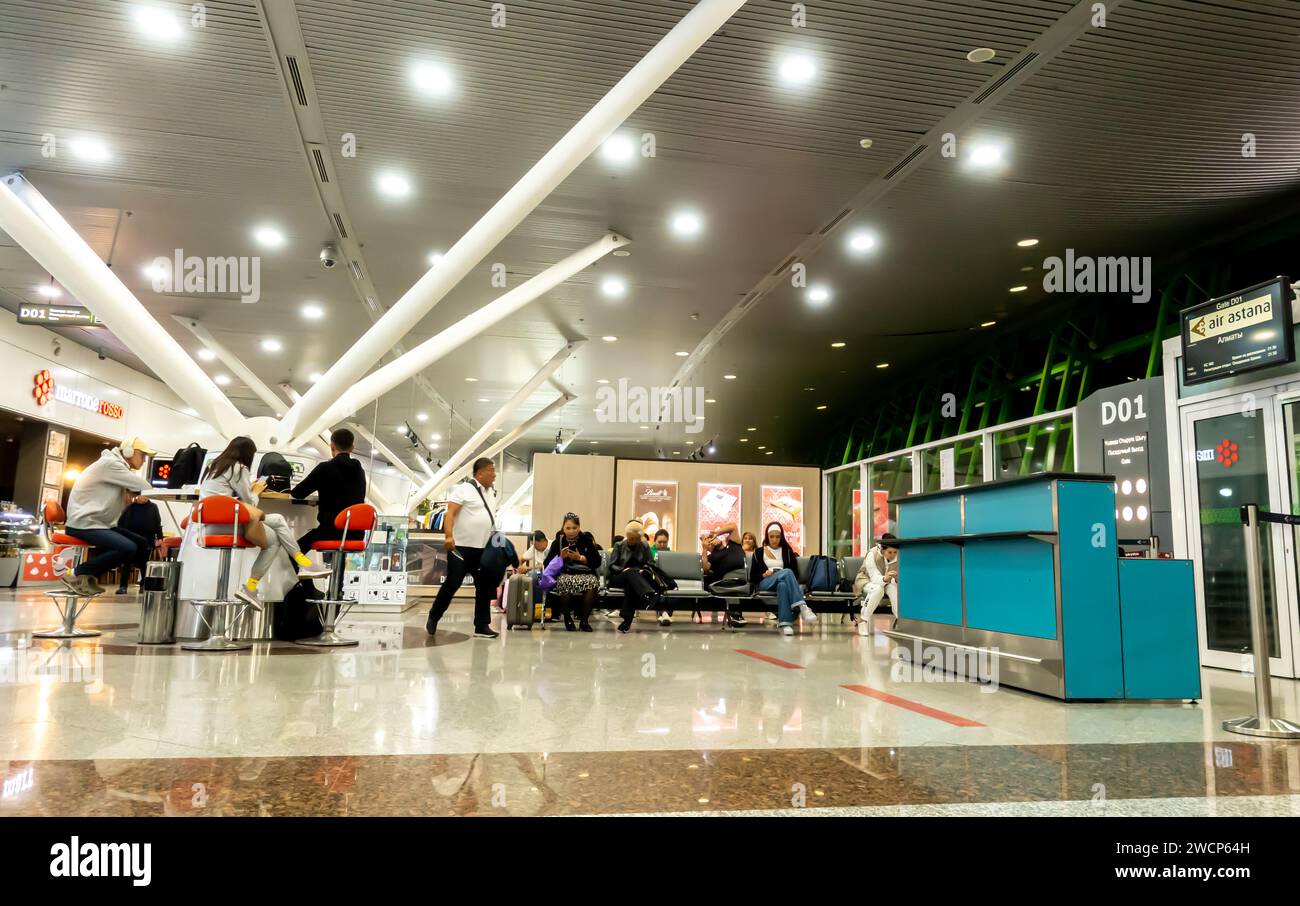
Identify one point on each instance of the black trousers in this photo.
(637, 592)
(485, 586)
(321, 533)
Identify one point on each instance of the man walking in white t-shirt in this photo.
(467, 527)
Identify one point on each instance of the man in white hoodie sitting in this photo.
(98, 497)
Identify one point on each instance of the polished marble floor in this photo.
(550, 722)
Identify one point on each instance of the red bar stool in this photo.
(357, 519)
(65, 599)
(221, 511)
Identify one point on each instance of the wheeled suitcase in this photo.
(519, 601)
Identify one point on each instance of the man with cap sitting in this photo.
(99, 495)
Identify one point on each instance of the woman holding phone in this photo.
(578, 579)
(230, 475)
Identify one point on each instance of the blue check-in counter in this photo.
(1024, 576)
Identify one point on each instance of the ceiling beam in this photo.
(651, 71)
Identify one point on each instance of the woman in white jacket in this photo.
(877, 577)
(230, 475)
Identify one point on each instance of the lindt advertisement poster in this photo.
(716, 505)
(655, 505)
(783, 504)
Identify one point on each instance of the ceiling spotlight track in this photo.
(1060, 35)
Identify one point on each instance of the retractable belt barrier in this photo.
(1262, 723)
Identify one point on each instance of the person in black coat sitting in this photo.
(630, 566)
(141, 516)
(578, 579)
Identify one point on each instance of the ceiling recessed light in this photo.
(205, 354)
(710, 401)
(985, 155)
(153, 272)
(432, 79)
(820, 408)
(49, 290)
(687, 223)
(619, 148)
(762, 446)
(472, 380)
(981, 54)
(434, 258)
(222, 379)
(1018, 289)
(314, 377)
(744, 440)
(602, 380)
(421, 416)
(90, 149)
(483, 399)
(157, 23)
(645, 427)
(313, 312)
(610, 339)
(1027, 269)
(677, 452)
(797, 69)
(613, 287)
(268, 237)
(728, 377)
(1027, 243)
(865, 143)
(435, 437)
(768, 453)
(270, 344)
(883, 365)
(394, 185)
(819, 295)
(594, 443)
(988, 323)
(862, 242)
(621, 253)
(681, 353)
(838, 344)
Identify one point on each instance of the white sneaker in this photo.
(665, 619)
(806, 612)
(313, 572)
(787, 629)
(251, 598)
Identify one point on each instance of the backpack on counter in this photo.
(276, 470)
(823, 574)
(187, 465)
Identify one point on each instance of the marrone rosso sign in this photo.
(46, 389)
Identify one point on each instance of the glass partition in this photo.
(968, 464)
(888, 478)
(1042, 446)
(842, 489)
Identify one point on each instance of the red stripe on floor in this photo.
(771, 660)
(919, 708)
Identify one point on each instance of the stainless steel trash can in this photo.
(161, 586)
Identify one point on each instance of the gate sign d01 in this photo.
(1238, 333)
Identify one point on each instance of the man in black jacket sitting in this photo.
(339, 483)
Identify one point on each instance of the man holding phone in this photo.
(468, 525)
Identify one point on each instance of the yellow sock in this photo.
(251, 584)
(302, 559)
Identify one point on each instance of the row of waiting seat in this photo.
(735, 589)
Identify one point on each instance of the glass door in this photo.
(1233, 461)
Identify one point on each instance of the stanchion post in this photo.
(1263, 723)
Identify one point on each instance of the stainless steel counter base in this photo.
(1022, 662)
(253, 626)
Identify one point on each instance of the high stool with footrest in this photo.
(357, 520)
(220, 511)
(53, 515)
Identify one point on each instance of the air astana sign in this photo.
(45, 389)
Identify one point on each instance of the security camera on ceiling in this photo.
(329, 255)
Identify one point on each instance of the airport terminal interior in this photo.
(649, 407)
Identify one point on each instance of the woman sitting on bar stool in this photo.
(230, 475)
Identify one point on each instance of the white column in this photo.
(674, 49)
(369, 388)
(501, 443)
(36, 226)
(467, 449)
